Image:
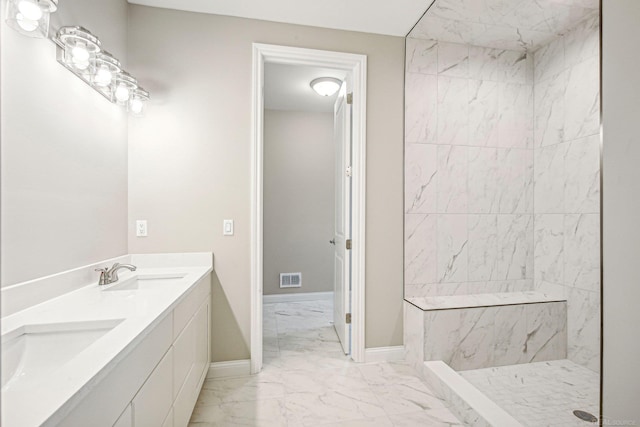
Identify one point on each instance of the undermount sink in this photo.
(32, 351)
(150, 281)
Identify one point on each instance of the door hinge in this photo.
(348, 319)
(348, 172)
(350, 98)
(349, 244)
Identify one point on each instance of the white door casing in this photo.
(356, 66)
(342, 216)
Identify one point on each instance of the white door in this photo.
(342, 224)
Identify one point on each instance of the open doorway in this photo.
(300, 211)
(292, 185)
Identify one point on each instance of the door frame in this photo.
(357, 65)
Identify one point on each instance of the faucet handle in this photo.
(103, 276)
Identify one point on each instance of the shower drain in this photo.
(585, 416)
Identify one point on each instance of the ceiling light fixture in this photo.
(326, 86)
(30, 17)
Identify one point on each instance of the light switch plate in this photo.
(141, 228)
(227, 227)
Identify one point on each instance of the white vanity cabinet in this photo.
(158, 382)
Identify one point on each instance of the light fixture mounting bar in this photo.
(85, 78)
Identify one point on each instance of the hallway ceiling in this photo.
(286, 87)
(395, 18)
(502, 24)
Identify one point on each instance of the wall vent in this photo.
(290, 280)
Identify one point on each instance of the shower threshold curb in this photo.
(468, 403)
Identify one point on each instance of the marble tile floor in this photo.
(308, 381)
(540, 394)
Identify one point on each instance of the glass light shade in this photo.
(104, 69)
(80, 47)
(30, 17)
(326, 86)
(137, 102)
(123, 88)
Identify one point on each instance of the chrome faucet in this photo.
(110, 275)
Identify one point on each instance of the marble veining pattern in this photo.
(480, 337)
(516, 167)
(453, 111)
(307, 381)
(421, 183)
(421, 108)
(502, 24)
(540, 394)
(515, 247)
(477, 166)
(420, 248)
(452, 169)
(567, 181)
(483, 113)
(452, 257)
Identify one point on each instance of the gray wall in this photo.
(298, 199)
(64, 151)
(189, 159)
(621, 202)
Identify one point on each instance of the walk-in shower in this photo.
(502, 203)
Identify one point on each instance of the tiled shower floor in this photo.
(540, 394)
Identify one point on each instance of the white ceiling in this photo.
(286, 87)
(502, 24)
(394, 18)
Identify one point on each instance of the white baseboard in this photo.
(384, 354)
(232, 368)
(303, 296)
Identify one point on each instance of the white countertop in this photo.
(31, 404)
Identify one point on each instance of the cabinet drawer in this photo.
(202, 334)
(188, 394)
(184, 355)
(153, 402)
(184, 311)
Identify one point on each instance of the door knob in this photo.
(332, 241)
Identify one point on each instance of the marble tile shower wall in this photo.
(502, 174)
(469, 160)
(567, 182)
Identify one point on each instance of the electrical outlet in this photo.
(141, 228)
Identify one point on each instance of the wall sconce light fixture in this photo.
(326, 86)
(81, 53)
(137, 101)
(79, 48)
(30, 17)
(105, 69)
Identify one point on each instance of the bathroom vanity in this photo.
(131, 353)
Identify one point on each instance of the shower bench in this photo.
(485, 330)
